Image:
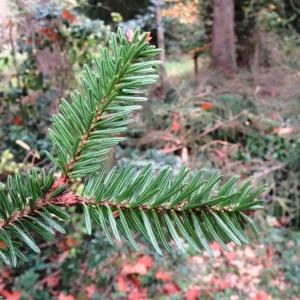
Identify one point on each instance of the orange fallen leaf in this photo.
(170, 288)
(193, 293)
(51, 35)
(2, 245)
(122, 284)
(134, 269)
(146, 260)
(215, 246)
(131, 285)
(175, 126)
(207, 105)
(52, 280)
(270, 252)
(163, 276)
(67, 243)
(140, 267)
(220, 284)
(261, 296)
(17, 120)
(11, 295)
(137, 295)
(90, 290)
(230, 255)
(68, 16)
(63, 296)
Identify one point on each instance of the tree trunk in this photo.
(161, 42)
(223, 50)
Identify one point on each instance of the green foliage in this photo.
(104, 9)
(233, 104)
(183, 37)
(199, 207)
(84, 132)
(24, 207)
(162, 207)
(252, 17)
(38, 70)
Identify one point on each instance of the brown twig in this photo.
(267, 171)
(221, 125)
(69, 199)
(84, 140)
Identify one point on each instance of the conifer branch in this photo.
(125, 201)
(186, 208)
(87, 128)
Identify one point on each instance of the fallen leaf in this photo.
(52, 280)
(175, 126)
(11, 295)
(193, 293)
(122, 284)
(90, 290)
(17, 121)
(270, 252)
(68, 16)
(137, 295)
(141, 266)
(170, 288)
(51, 35)
(146, 260)
(207, 105)
(163, 276)
(230, 255)
(261, 296)
(220, 284)
(134, 269)
(63, 296)
(2, 245)
(67, 243)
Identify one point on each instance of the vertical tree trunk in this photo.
(161, 41)
(223, 51)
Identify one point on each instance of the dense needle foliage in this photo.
(186, 208)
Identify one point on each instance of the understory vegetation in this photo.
(243, 125)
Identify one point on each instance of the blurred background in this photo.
(228, 98)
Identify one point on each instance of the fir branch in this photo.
(185, 208)
(191, 207)
(87, 127)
